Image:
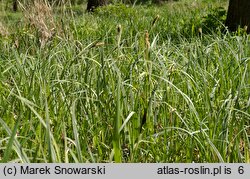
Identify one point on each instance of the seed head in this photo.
(155, 19)
(98, 44)
(147, 42)
(119, 28)
(245, 28)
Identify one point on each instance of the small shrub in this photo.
(215, 19)
(117, 10)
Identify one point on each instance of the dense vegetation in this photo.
(124, 84)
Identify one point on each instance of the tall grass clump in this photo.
(123, 84)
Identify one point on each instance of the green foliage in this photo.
(215, 19)
(117, 10)
(124, 84)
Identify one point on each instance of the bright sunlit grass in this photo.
(114, 86)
